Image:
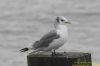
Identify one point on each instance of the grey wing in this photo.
(46, 40)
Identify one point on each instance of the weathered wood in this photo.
(61, 59)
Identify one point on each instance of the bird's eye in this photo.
(62, 20)
(57, 19)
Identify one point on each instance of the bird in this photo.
(52, 40)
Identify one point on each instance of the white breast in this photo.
(62, 31)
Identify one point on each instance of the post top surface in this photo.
(60, 54)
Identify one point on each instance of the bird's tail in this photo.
(24, 49)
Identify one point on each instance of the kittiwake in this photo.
(53, 39)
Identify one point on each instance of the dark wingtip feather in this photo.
(24, 49)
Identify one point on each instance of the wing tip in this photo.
(24, 50)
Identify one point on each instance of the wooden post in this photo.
(62, 59)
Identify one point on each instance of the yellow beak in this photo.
(68, 22)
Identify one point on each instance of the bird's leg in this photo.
(53, 52)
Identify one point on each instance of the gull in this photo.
(53, 39)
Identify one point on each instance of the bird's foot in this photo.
(54, 53)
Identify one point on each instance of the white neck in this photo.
(62, 30)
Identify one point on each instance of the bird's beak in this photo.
(67, 22)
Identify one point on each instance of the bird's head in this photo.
(62, 20)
